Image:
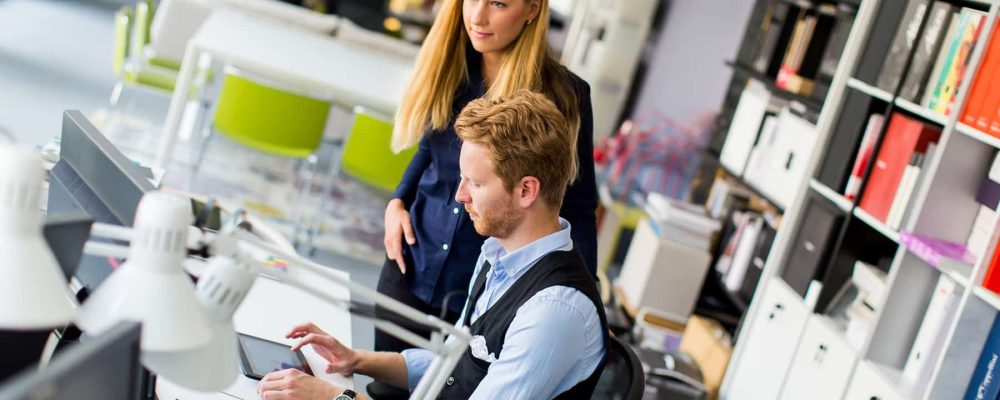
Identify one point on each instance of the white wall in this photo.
(686, 75)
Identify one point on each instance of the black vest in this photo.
(559, 268)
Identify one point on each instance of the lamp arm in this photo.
(389, 303)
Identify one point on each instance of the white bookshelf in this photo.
(836, 198)
(978, 135)
(987, 296)
(870, 90)
(876, 224)
(943, 207)
(922, 111)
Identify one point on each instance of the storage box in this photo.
(662, 274)
(711, 346)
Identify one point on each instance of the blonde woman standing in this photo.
(476, 48)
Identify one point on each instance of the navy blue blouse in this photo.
(447, 244)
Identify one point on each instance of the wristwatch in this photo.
(348, 394)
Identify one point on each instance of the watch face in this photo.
(343, 397)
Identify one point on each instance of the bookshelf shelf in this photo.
(986, 295)
(958, 277)
(978, 135)
(869, 90)
(838, 200)
(753, 188)
(879, 226)
(921, 111)
(809, 102)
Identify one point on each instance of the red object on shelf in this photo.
(903, 137)
(992, 279)
(978, 107)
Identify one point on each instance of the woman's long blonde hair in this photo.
(441, 70)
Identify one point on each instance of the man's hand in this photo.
(342, 359)
(292, 384)
(397, 227)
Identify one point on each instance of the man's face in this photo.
(490, 206)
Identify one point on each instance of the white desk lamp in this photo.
(152, 288)
(231, 272)
(33, 290)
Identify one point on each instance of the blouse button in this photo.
(451, 380)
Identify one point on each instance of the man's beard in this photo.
(499, 221)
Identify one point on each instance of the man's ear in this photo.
(527, 191)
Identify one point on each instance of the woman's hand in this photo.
(292, 384)
(397, 226)
(342, 359)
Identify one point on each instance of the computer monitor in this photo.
(66, 233)
(104, 367)
(94, 177)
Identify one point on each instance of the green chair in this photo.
(368, 156)
(132, 25)
(276, 122)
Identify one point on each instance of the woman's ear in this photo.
(534, 9)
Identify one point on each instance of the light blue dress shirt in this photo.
(555, 334)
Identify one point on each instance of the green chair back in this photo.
(123, 25)
(368, 156)
(270, 120)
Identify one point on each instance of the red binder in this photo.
(903, 137)
(992, 279)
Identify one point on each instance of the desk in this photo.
(269, 311)
(353, 75)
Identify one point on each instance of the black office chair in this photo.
(623, 378)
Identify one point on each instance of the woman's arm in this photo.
(407, 188)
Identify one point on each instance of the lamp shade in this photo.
(214, 366)
(33, 290)
(151, 286)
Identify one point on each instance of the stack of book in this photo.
(941, 57)
(680, 222)
(744, 252)
(982, 109)
(906, 148)
(801, 43)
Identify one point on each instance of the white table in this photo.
(269, 311)
(352, 75)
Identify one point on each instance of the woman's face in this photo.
(492, 25)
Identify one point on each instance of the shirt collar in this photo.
(517, 263)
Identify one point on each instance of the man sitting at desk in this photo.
(538, 327)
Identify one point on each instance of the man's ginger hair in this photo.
(526, 135)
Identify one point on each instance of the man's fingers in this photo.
(301, 330)
(316, 339)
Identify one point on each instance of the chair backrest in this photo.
(270, 120)
(123, 26)
(368, 156)
(174, 23)
(622, 377)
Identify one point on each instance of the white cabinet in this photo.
(870, 384)
(770, 345)
(823, 363)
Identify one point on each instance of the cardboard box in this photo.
(711, 346)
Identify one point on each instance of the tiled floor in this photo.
(56, 55)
